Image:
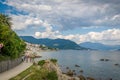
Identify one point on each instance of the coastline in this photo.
(62, 76)
(34, 48)
(50, 66)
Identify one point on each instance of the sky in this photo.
(76, 20)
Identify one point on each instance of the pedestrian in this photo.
(26, 56)
(23, 58)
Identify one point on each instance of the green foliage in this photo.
(46, 48)
(53, 60)
(13, 45)
(39, 74)
(43, 47)
(41, 63)
(36, 73)
(52, 76)
(5, 20)
(23, 74)
(3, 58)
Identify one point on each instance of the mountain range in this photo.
(54, 43)
(68, 44)
(99, 46)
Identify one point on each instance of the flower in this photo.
(1, 45)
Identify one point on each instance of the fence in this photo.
(6, 65)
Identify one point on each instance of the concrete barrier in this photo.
(6, 65)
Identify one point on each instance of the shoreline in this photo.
(50, 65)
(34, 48)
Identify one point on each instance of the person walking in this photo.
(27, 56)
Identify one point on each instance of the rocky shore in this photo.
(54, 67)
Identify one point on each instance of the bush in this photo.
(41, 63)
(53, 60)
(13, 45)
(52, 76)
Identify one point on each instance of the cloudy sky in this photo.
(77, 20)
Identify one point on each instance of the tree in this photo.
(13, 45)
(5, 19)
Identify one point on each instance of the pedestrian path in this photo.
(14, 71)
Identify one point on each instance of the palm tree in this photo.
(5, 19)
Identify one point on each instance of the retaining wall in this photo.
(6, 65)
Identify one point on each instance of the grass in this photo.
(23, 74)
(36, 72)
(43, 74)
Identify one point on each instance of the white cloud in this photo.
(86, 13)
(37, 34)
(18, 22)
(67, 14)
(21, 22)
(24, 21)
(115, 17)
(29, 6)
(110, 37)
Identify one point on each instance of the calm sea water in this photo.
(89, 62)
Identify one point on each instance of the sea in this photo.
(89, 63)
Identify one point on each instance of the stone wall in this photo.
(6, 65)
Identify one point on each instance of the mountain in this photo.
(54, 43)
(99, 46)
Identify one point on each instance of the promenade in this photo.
(14, 71)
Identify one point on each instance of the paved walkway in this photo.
(15, 71)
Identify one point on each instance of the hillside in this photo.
(99, 46)
(54, 43)
(12, 45)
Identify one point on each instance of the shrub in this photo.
(13, 45)
(53, 60)
(52, 76)
(41, 63)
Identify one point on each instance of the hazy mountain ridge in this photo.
(54, 43)
(99, 46)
